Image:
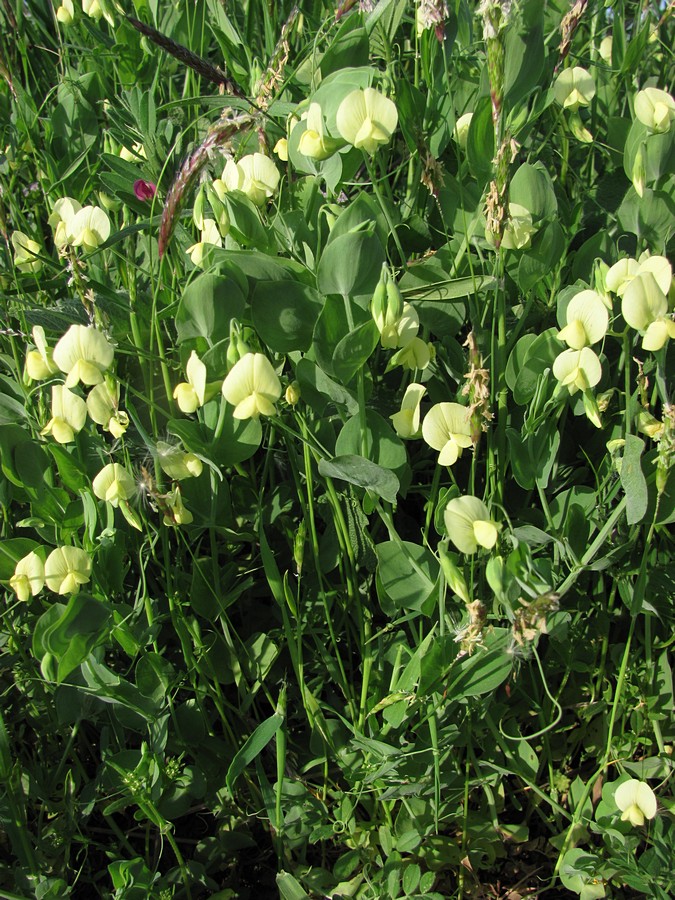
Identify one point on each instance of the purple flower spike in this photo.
(144, 190)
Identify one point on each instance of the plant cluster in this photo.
(337, 448)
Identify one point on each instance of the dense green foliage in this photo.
(337, 448)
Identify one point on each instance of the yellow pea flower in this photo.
(252, 387)
(367, 119)
(26, 253)
(447, 428)
(468, 524)
(29, 577)
(67, 569)
(83, 354)
(636, 800)
(114, 483)
(69, 413)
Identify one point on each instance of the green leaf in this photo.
(289, 887)
(480, 144)
(208, 305)
(408, 574)
(362, 473)
(350, 265)
(633, 480)
(318, 389)
(354, 350)
(383, 446)
(532, 187)
(245, 225)
(83, 625)
(254, 745)
(524, 53)
(238, 439)
(284, 314)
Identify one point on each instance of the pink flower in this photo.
(144, 190)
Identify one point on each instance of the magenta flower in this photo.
(144, 190)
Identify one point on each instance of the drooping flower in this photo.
(60, 220)
(468, 524)
(636, 800)
(69, 413)
(252, 387)
(255, 175)
(605, 49)
(176, 511)
(137, 152)
(406, 421)
(621, 274)
(574, 87)
(67, 569)
(26, 253)
(415, 354)
(210, 237)
(176, 463)
(655, 109)
(66, 13)
(281, 149)
(577, 370)
(645, 308)
(29, 577)
(89, 228)
(40, 362)
(314, 141)
(587, 320)
(461, 130)
(114, 483)
(367, 119)
(83, 354)
(447, 428)
(103, 408)
(92, 8)
(518, 229)
(191, 395)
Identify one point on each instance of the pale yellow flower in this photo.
(577, 370)
(191, 395)
(645, 308)
(468, 524)
(255, 175)
(114, 483)
(60, 221)
(210, 237)
(26, 253)
(29, 577)
(66, 13)
(103, 408)
(587, 320)
(176, 463)
(655, 109)
(89, 228)
(367, 119)
(40, 362)
(83, 354)
(406, 421)
(518, 229)
(314, 142)
(461, 130)
(636, 800)
(252, 387)
(447, 428)
(281, 149)
(67, 569)
(69, 413)
(574, 87)
(177, 513)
